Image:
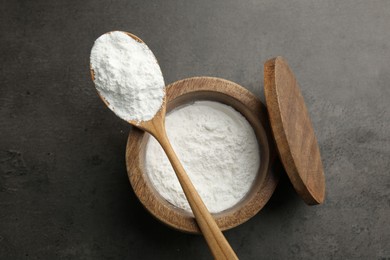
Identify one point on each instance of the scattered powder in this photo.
(218, 149)
(128, 76)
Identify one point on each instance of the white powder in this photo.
(218, 149)
(128, 76)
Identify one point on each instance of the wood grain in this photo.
(214, 89)
(293, 131)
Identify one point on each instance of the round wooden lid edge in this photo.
(293, 132)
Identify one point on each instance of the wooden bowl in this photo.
(229, 93)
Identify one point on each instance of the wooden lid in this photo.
(293, 131)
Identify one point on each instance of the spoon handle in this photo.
(216, 241)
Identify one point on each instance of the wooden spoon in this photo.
(216, 241)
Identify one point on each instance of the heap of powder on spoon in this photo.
(127, 76)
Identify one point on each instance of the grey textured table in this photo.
(64, 191)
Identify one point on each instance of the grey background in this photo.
(64, 191)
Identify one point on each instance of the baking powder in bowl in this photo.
(218, 149)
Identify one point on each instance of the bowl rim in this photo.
(220, 90)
